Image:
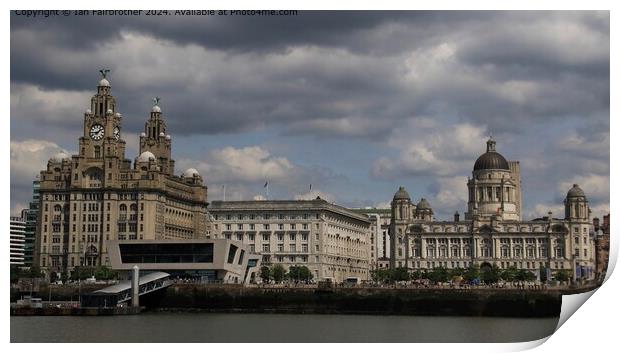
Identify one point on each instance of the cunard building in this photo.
(492, 231)
(98, 195)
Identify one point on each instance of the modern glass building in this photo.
(212, 260)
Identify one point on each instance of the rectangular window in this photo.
(293, 248)
(265, 247)
(265, 237)
(232, 252)
(292, 236)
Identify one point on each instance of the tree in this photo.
(82, 273)
(381, 275)
(543, 274)
(417, 274)
(562, 275)
(457, 272)
(277, 273)
(509, 274)
(35, 272)
(399, 274)
(439, 274)
(471, 273)
(524, 275)
(490, 275)
(265, 274)
(105, 273)
(299, 273)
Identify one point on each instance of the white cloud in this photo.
(51, 106)
(29, 157)
(16, 209)
(247, 164)
(452, 193)
(432, 149)
(383, 204)
(542, 210)
(595, 186)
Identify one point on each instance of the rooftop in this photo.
(284, 205)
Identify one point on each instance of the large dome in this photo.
(575, 191)
(401, 194)
(491, 159)
(104, 83)
(146, 156)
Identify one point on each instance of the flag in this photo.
(266, 183)
(310, 187)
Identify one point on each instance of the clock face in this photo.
(96, 132)
(117, 133)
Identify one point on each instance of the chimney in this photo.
(456, 216)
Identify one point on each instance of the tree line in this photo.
(472, 274)
(278, 274)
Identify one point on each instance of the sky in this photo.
(354, 103)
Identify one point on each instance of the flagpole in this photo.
(267, 190)
(224, 186)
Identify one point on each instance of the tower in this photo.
(154, 139)
(576, 207)
(95, 196)
(402, 213)
(493, 192)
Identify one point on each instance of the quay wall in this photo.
(368, 300)
(379, 301)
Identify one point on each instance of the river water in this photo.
(212, 327)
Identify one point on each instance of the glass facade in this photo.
(166, 253)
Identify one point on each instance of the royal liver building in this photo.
(98, 195)
(492, 232)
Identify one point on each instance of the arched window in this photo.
(123, 208)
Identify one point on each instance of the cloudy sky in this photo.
(354, 103)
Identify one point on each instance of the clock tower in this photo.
(96, 195)
(102, 150)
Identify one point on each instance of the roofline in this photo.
(275, 205)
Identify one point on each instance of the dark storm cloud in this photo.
(367, 80)
(358, 76)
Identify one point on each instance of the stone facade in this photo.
(332, 241)
(379, 235)
(602, 245)
(97, 195)
(492, 232)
